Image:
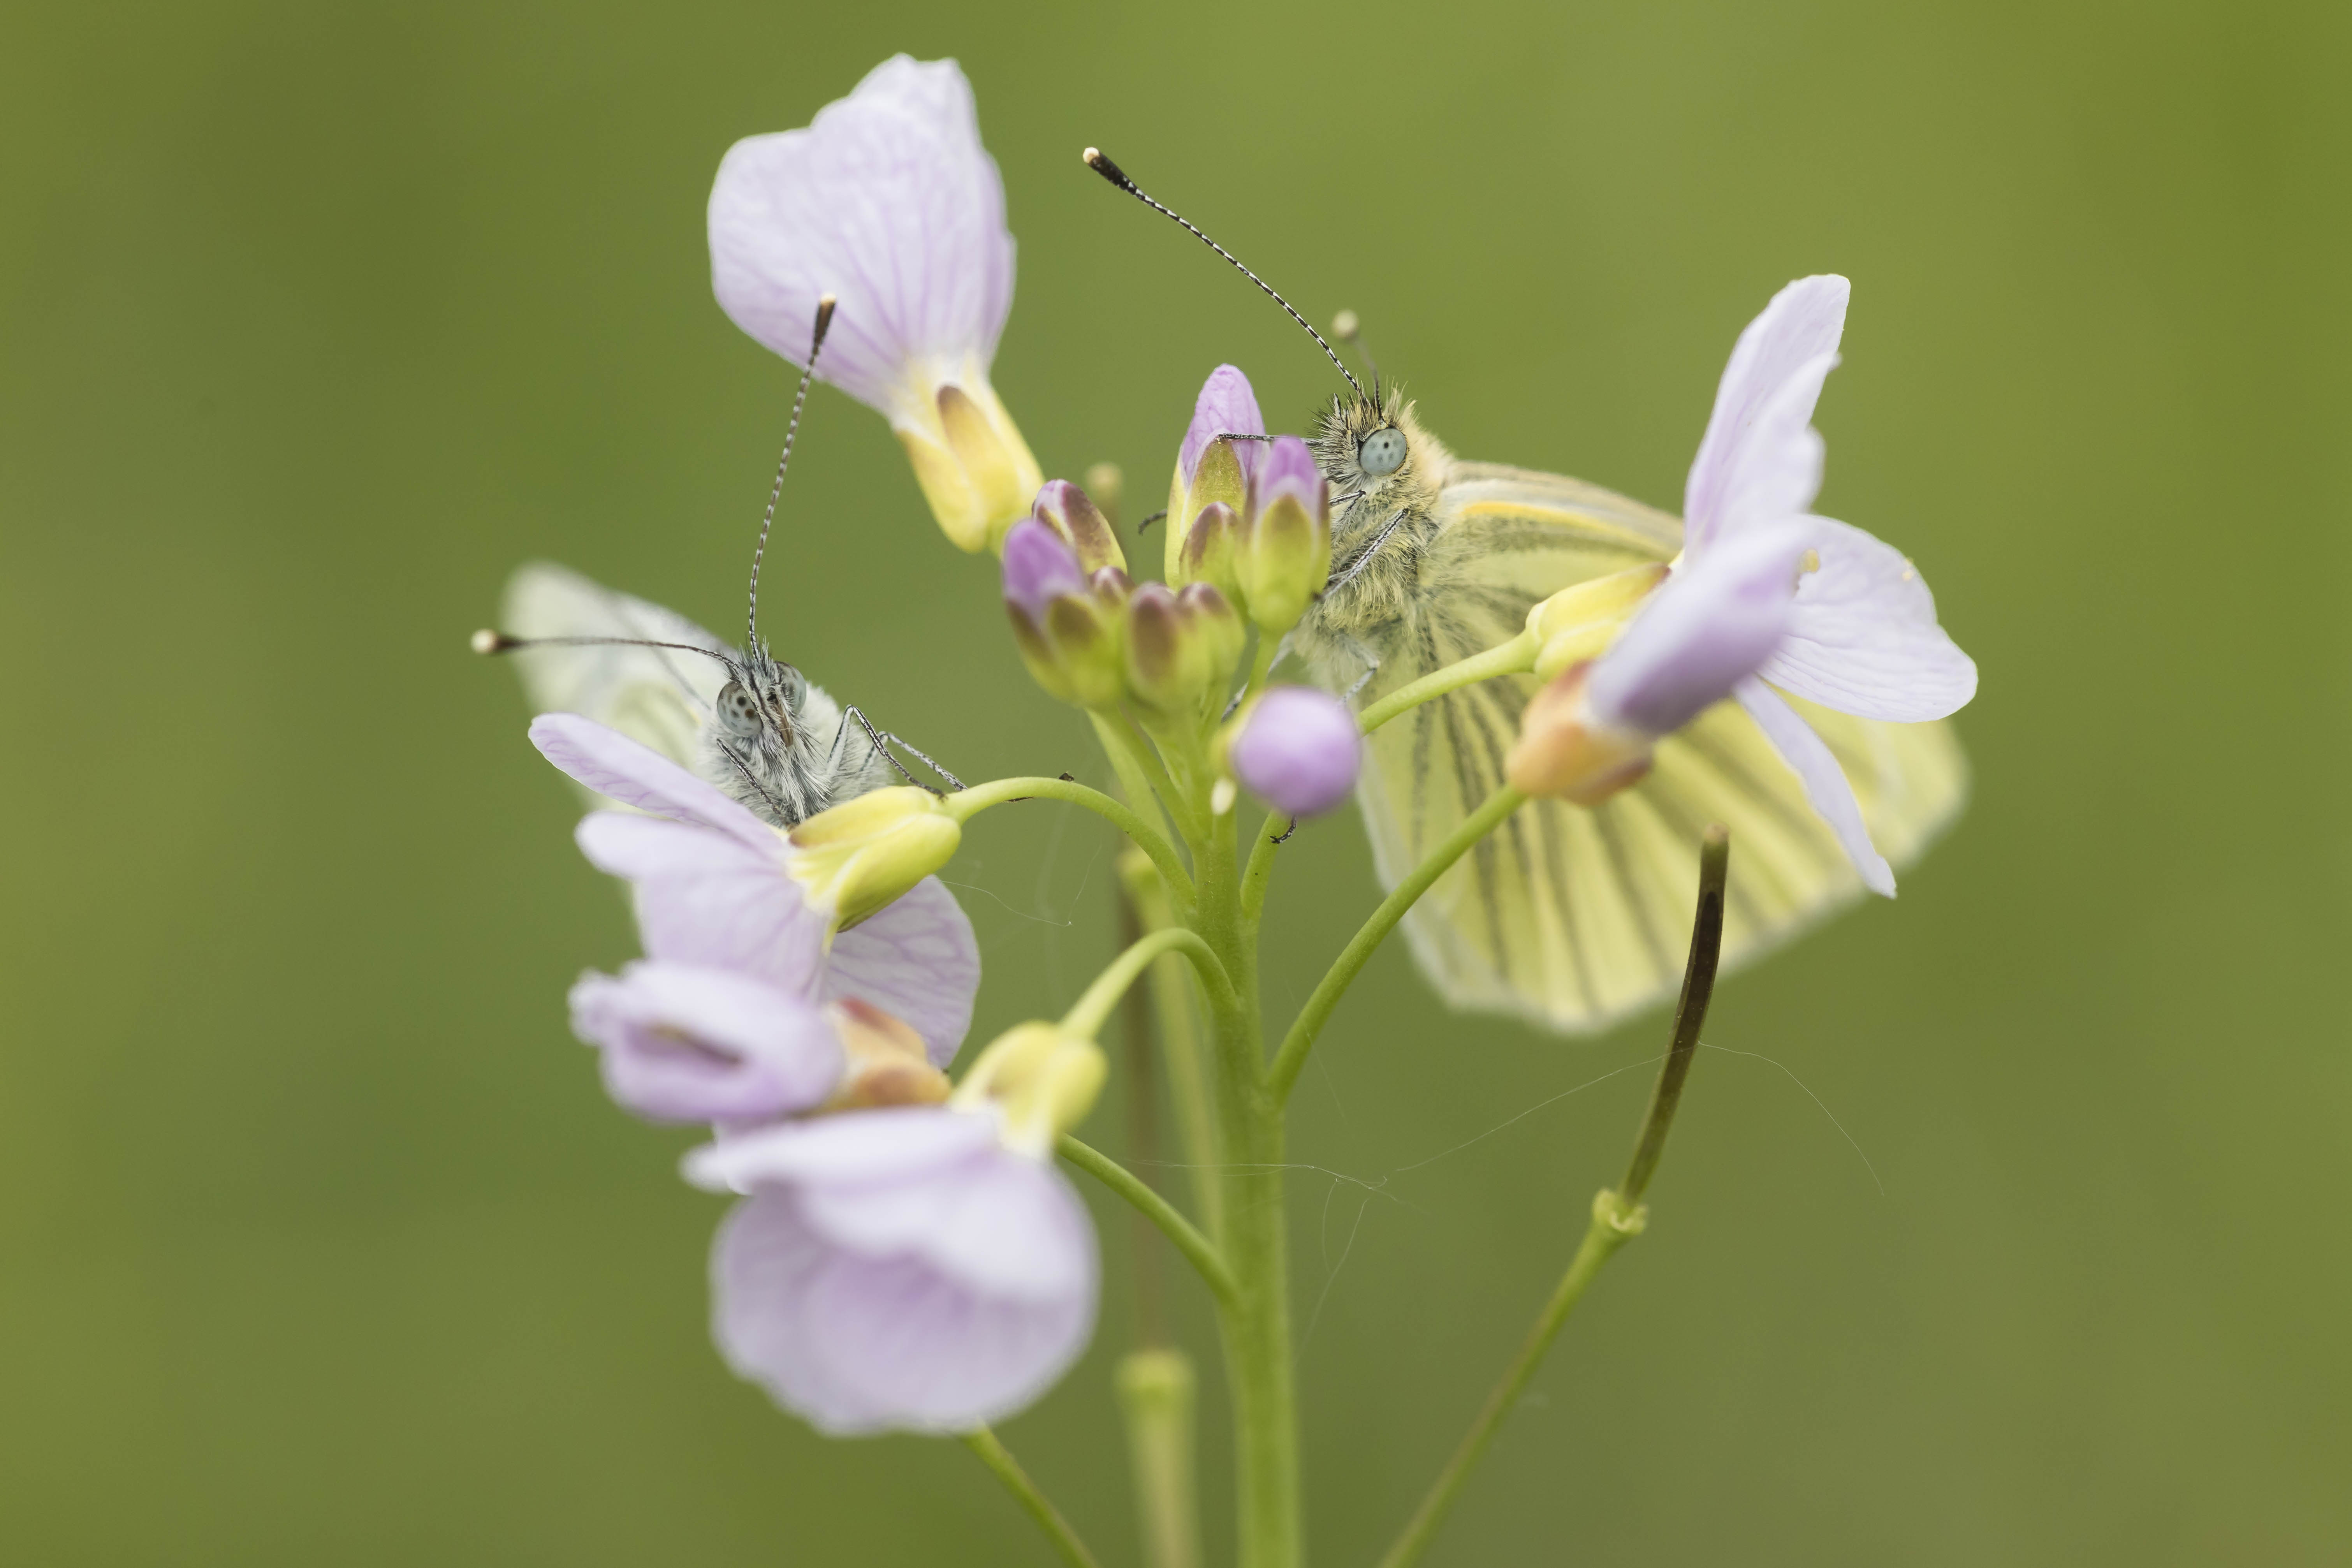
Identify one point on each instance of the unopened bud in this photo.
(1219, 627)
(1167, 657)
(1564, 750)
(1285, 556)
(862, 855)
(1210, 552)
(1210, 469)
(1295, 748)
(1041, 1082)
(1065, 509)
(1067, 625)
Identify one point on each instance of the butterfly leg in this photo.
(883, 740)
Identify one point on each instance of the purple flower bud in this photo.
(1065, 509)
(1298, 750)
(1038, 569)
(1226, 406)
(1289, 470)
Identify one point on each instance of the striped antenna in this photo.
(800, 400)
(1101, 164)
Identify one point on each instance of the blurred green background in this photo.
(319, 1242)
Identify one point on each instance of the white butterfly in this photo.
(751, 724)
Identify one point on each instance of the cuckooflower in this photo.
(920, 1268)
(1766, 594)
(1297, 749)
(888, 202)
(684, 1043)
(714, 886)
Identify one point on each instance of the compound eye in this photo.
(1382, 453)
(738, 713)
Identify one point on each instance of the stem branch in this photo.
(1513, 658)
(984, 1443)
(1198, 1250)
(1085, 1017)
(1352, 958)
(967, 804)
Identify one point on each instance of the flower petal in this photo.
(1863, 638)
(916, 960)
(710, 899)
(681, 1043)
(853, 1146)
(1705, 628)
(887, 201)
(1826, 783)
(859, 1345)
(1747, 463)
(620, 769)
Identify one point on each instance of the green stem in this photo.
(1690, 1010)
(1256, 1324)
(1033, 1503)
(1614, 1223)
(1198, 1250)
(1262, 665)
(1352, 958)
(1618, 1216)
(1516, 657)
(1141, 771)
(1085, 1017)
(1180, 1041)
(1261, 866)
(968, 804)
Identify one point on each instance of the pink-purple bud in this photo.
(1226, 406)
(1067, 625)
(1038, 569)
(1286, 543)
(1298, 750)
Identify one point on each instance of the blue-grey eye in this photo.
(739, 713)
(1382, 452)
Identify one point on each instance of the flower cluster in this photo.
(905, 1254)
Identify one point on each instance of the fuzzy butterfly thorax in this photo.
(1382, 525)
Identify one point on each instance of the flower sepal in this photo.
(887, 1062)
(1040, 1081)
(1564, 750)
(1578, 623)
(861, 856)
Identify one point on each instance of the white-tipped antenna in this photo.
(1101, 164)
(816, 341)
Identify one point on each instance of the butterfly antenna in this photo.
(799, 399)
(1351, 331)
(1102, 165)
(488, 641)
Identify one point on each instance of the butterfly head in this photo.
(760, 700)
(1373, 450)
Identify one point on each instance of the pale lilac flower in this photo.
(1298, 750)
(1212, 473)
(889, 202)
(684, 1043)
(1766, 592)
(713, 887)
(897, 1269)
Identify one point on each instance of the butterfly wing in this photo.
(659, 697)
(1569, 917)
